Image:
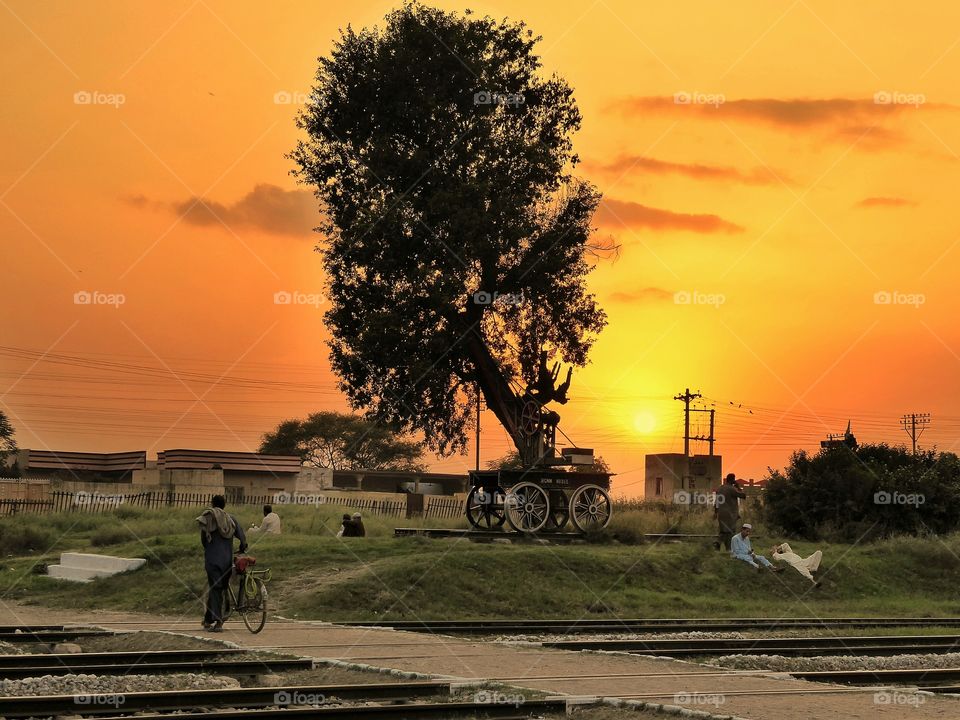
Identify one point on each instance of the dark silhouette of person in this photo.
(217, 531)
(347, 527)
(360, 530)
(727, 510)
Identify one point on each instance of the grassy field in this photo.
(318, 576)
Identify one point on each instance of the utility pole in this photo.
(476, 386)
(913, 422)
(709, 439)
(685, 399)
(713, 412)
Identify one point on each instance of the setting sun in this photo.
(644, 422)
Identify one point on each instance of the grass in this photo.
(318, 576)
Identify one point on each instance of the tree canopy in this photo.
(8, 443)
(456, 240)
(343, 442)
(874, 490)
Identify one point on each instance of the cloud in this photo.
(619, 213)
(636, 163)
(647, 294)
(266, 207)
(884, 202)
(789, 113)
(837, 119)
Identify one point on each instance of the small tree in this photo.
(343, 442)
(8, 443)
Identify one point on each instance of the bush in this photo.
(847, 495)
(23, 537)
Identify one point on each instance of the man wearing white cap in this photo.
(741, 549)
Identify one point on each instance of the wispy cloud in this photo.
(786, 113)
(697, 171)
(871, 202)
(619, 213)
(643, 295)
(267, 207)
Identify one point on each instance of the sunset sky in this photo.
(788, 168)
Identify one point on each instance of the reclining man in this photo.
(741, 549)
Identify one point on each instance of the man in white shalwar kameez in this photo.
(805, 566)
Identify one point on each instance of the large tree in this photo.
(343, 442)
(442, 160)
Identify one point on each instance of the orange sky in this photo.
(812, 168)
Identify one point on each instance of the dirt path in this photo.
(659, 681)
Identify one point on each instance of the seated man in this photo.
(741, 549)
(271, 522)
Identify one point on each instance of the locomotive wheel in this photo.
(485, 509)
(559, 511)
(528, 507)
(590, 508)
(530, 418)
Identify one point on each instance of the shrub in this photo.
(873, 491)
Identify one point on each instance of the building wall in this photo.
(665, 474)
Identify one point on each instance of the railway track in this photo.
(647, 625)
(43, 634)
(114, 658)
(245, 698)
(804, 646)
(24, 666)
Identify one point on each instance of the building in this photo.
(236, 474)
(667, 474)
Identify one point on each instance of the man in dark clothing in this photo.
(218, 529)
(727, 510)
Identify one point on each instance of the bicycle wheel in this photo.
(254, 610)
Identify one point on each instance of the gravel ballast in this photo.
(112, 684)
(779, 663)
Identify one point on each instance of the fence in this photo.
(62, 501)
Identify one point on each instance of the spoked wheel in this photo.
(528, 507)
(559, 511)
(254, 609)
(485, 508)
(590, 508)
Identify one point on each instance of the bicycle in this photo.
(249, 598)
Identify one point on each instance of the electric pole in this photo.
(685, 399)
(476, 386)
(912, 423)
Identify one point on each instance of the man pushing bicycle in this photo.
(217, 530)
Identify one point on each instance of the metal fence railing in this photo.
(81, 501)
